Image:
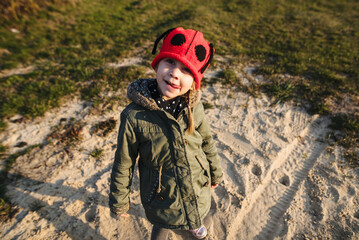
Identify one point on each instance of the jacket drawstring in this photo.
(200, 162)
(159, 180)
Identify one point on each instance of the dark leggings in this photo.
(159, 233)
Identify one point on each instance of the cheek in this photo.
(190, 80)
(160, 69)
(188, 83)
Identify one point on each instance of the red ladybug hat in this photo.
(187, 46)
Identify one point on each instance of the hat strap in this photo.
(209, 60)
(159, 39)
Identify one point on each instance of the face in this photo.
(173, 78)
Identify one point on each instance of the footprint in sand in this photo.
(224, 201)
(356, 214)
(284, 179)
(334, 193)
(91, 214)
(256, 170)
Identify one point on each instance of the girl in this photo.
(165, 126)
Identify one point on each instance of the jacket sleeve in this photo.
(209, 147)
(122, 170)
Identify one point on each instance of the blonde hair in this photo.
(190, 128)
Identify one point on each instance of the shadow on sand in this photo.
(55, 213)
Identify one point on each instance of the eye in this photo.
(186, 69)
(170, 61)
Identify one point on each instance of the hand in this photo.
(124, 215)
(213, 186)
(117, 216)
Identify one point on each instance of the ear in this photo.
(156, 67)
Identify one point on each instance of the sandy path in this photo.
(280, 181)
(270, 200)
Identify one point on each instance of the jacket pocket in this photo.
(148, 179)
(166, 191)
(205, 175)
(165, 208)
(165, 211)
(200, 163)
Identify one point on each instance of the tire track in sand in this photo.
(263, 209)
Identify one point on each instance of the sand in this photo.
(282, 179)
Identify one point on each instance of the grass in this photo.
(70, 44)
(348, 124)
(32, 94)
(96, 153)
(15, 10)
(229, 76)
(6, 210)
(36, 205)
(282, 92)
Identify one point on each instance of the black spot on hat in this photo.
(200, 53)
(178, 39)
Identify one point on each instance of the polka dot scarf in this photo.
(173, 106)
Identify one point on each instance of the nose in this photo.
(175, 73)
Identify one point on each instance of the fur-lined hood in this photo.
(139, 93)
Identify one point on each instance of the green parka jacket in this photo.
(176, 169)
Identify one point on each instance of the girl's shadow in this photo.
(55, 213)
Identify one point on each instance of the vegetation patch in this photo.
(23, 9)
(6, 210)
(70, 44)
(348, 138)
(3, 126)
(229, 77)
(32, 94)
(36, 205)
(96, 153)
(207, 105)
(2, 149)
(105, 127)
(68, 134)
(282, 92)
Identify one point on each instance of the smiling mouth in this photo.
(173, 85)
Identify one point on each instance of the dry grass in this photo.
(17, 9)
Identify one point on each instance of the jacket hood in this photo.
(139, 93)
